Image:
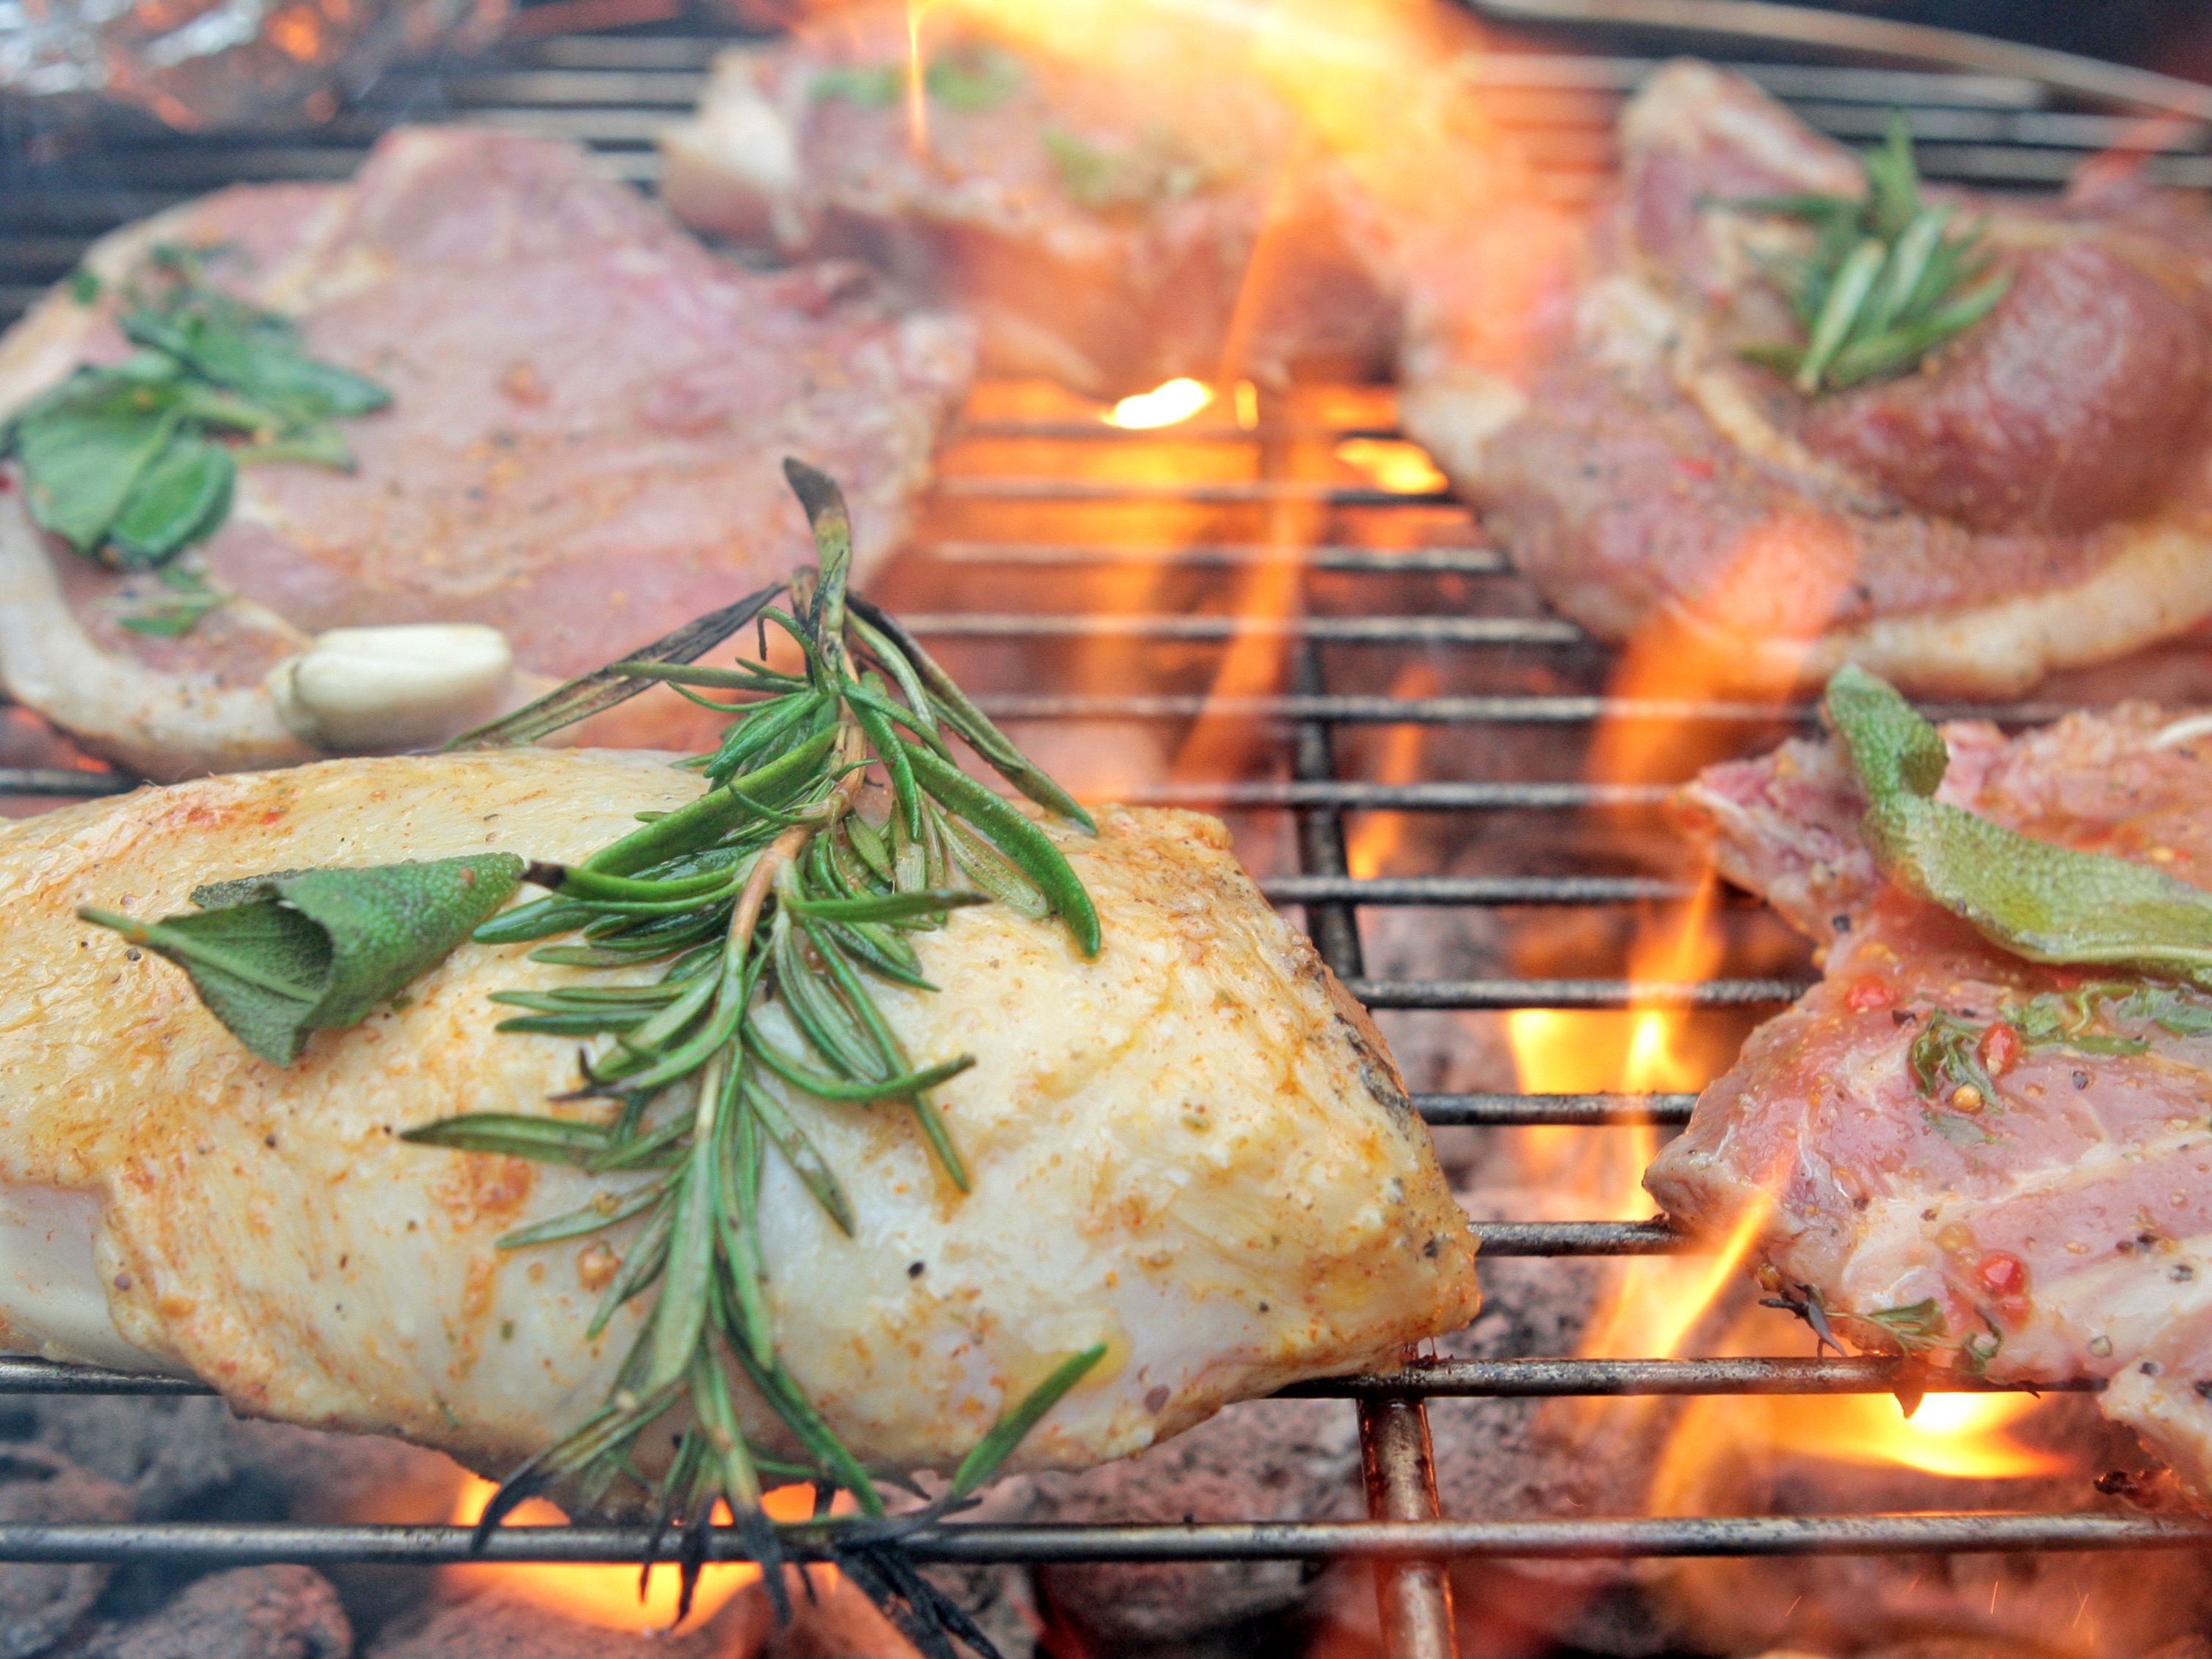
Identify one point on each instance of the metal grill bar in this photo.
(1580, 1238)
(1417, 560)
(1502, 1379)
(1342, 710)
(1581, 1112)
(1509, 994)
(221, 1544)
(1474, 890)
(1468, 797)
(1328, 630)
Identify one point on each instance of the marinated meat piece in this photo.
(1977, 1159)
(1192, 1147)
(588, 414)
(2037, 496)
(1142, 209)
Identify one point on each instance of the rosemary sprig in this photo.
(771, 891)
(1887, 282)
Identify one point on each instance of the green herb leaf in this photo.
(870, 86)
(1886, 284)
(123, 460)
(2037, 899)
(180, 499)
(83, 448)
(1007, 1432)
(1915, 1325)
(279, 957)
(973, 80)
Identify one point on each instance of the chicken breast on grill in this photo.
(2037, 496)
(1983, 1161)
(1192, 1148)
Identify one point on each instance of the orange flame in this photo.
(606, 1596)
(1368, 850)
(1392, 464)
(1169, 403)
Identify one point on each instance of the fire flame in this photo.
(1169, 403)
(1368, 850)
(1392, 464)
(606, 1596)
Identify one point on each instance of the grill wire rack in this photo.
(613, 90)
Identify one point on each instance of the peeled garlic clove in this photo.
(365, 689)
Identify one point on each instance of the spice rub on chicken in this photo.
(1122, 202)
(563, 417)
(1988, 1163)
(1191, 1148)
(1958, 440)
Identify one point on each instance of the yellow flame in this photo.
(606, 1596)
(1166, 404)
(1392, 464)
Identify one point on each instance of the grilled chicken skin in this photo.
(2039, 1204)
(1192, 1148)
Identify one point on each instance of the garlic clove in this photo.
(371, 689)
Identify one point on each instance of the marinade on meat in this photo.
(1191, 1148)
(1982, 1161)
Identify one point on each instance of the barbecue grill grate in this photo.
(613, 91)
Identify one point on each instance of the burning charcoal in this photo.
(40, 1605)
(1279, 1460)
(253, 1612)
(499, 1624)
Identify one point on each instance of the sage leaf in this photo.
(83, 450)
(178, 500)
(2034, 898)
(278, 957)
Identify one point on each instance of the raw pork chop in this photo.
(1192, 1147)
(1984, 1161)
(1141, 209)
(589, 412)
(2038, 495)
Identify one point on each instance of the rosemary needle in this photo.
(1888, 282)
(771, 890)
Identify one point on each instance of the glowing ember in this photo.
(607, 1597)
(1247, 406)
(1392, 464)
(1166, 404)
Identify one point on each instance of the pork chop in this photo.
(1142, 208)
(1992, 1165)
(1190, 1147)
(582, 452)
(2037, 496)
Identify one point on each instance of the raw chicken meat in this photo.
(1142, 209)
(1959, 1154)
(1192, 1148)
(2038, 495)
(588, 412)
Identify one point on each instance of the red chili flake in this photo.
(1869, 993)
(2000, 1047)
(2003, 1275)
